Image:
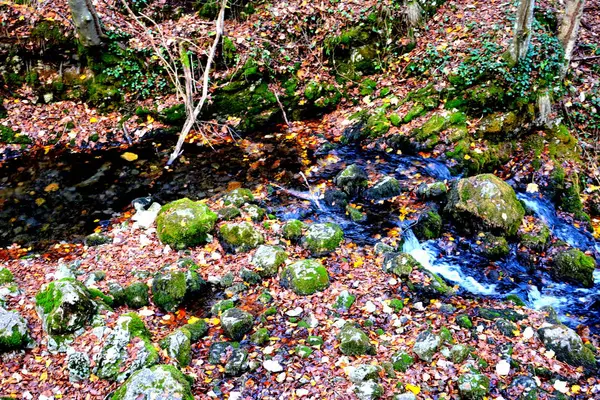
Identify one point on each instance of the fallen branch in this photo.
(589, 58)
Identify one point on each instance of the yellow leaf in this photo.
(53, 187)
(413, 388)
(44, 376)
(129, 156)
(575, 389)
(93, 378)
(93, 120)
(214, 321)
(467, 157)
(149, 119)
(39, 201)
(193, 320)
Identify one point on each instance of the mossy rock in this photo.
(402, 361)
(435, 190)
(335, 199)
(240, 237)
(238, 197)
(197, 330)
(184, 223)
(429, 225)
(305, 277)
(292, 229)
(400, 264)
(464, 321)
(493, 314)
(170, 288)
(355, 214)
(384, 188)
(64, 306)
(9, 136)
(567, 346)
(260, 337)
(473, 386)
(344, 301)
(178, 346)
(268, 259)
(255, 212)
(322, 239)
(377, 125)
(14, 334)
(136, 295)
(500, 126)
(221, 306)
(352, 180)
(459, 353)
(487, 203)
(574, 266)
(415, 111)
(96, 239)
(236, 323)
(426, 345)
(492, 247)
(6, 276)
(354, 342)
(159, 381)
(538, 239)
(229, 213)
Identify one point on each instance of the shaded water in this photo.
(81, 191)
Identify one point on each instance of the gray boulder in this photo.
(158, 382)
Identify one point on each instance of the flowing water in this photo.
(63, 196)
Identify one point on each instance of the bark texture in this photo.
(569, 27)
(520, 44)
(87, 22)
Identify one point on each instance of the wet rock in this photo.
(429, 225)
(335, 199)
(567, 345)
(369, 390)
(402, 361)
(473, 386)
(136, 295)
(268, 259)
(382, 248)
(486, 203)
(14, 334)
(459, 353)
(157, 382)
(236, 323)
(575, 267)
(125, 349)
(352, 180)
(237, 363)
(184, 223)
(305, 277)
(426, 345)
(355, 214)
(353, 341)
(240, 237)
(292, 229)
(78, 364)
(64, 306)
(238, 197)
(493, 314)
(384, 188)
(435, 190)
(400, 264)
(492, 247)
(322, 239)
(536, 240)
(178, 346)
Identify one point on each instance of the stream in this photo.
(63, 196)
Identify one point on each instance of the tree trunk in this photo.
(569, 28)
(520, 45)
(87, 22)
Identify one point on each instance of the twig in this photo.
(589, 58)
(282, 109)
(314, 196)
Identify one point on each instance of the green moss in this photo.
(344, 301)
(377, 124)
(184, 223)
(229, 51)
(241, 236)
(415, 111)
(169, 290)
(402, 361)
(238, 197)
(6, 276)
(50, 33)
(516, 300)
(9, 136)
(323, 238)
(353, 341)
(136, 295)
(197, 330)
(429, 226)
(49, 298)
(97, 294)
(464, 321)
(574, 266)
(493, 314)
(260, 337)
(536, 240)
(174, 115)
(492, 247)
(305, 277)
(292, 229)
(168, 382)
(178, 346)
(473, 386)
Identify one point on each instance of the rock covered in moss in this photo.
(459, 353)
(384, 188)
(435, 190)
(537, 239)
(64, 306)
(237, 363)
(196, 329)
(567, 345)
(368, 390)
(184, 223)
(464, 321)
(268, 259)
(6, 276)
(125, 349)
(473, 386)
(178, 346)
(229, 213)
(335, 199)
(426, 345)
(240, 237)
(344, 301)
(353, 341)
(78, 364)
(429, 225)
(96, 239)
(116, 291)
(305, 277)
(238, 197)
(355, 214)
(171, 288)
(352, 180)
(292, 229)
(400, 264)
(574, 266)
(255, 212)
(322, 239)
(402, 361)
(487, 203)
(157, 382)
(14, 334)
(491, 246)
(136, 295)
(236, 323)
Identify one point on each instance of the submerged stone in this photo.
(305, 277)
(184, 223)
(487, 203)
(492, 247)
(158, 382)
(352, 180)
